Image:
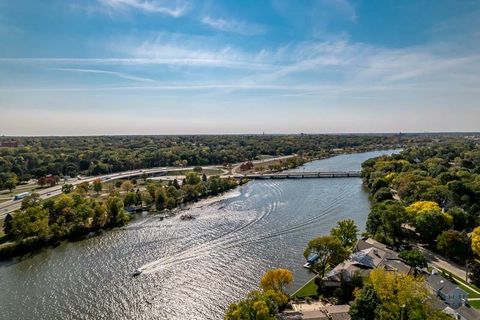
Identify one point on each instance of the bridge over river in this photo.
(303, 175)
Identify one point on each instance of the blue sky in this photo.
(185, 66)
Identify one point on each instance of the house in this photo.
(449, 292)
(467, 313)
(367, 255)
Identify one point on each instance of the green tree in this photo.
(161, 199)
(116, 213)
(67, 188)
(385, 220)
(32, 222)
(192, 178)
(430, 224)
(7, 224)
(97, 185)
(413, 258)
(346, 231)
(32, 200)
(138, 198)
(130, 199)
(330, 252)
(10, 184)
(453, 244)
(365, 304)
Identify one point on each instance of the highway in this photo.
(12, 205)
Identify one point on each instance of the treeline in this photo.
(432, 191)
(77, 212)
(70, 156)
(39, 223)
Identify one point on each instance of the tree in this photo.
(382, 194)
(474, 273)
(83, 188)
(97, 185)
(421, 207)
(476, 240)
(161, 199)
(330, 252)
(263, 305)
(192, 178)
(7, 224)
(399, 294)
(127, 185)
(32, 222)
(129, 199)
(431, 223)
(276, 279)
(100, 217)
(67, 188)
(346, 231)
(138, 198)
(116, 213)
(413, 258)
(453, 244)
(460, 218)
(365, 304)
(10, 184)
(385, 220)
(32, 200)
(256, 306)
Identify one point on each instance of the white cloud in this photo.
(113, 73)
(173, 8)
(234, 26)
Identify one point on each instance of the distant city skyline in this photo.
(99, 67)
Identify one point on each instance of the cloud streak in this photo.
(234, 26)
(113, 73)
(174, 8)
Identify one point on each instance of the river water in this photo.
(192, 269)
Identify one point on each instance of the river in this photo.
(192, 269)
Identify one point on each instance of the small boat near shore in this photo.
(136, 273)
(186, 217)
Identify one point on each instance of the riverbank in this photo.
(70, 217)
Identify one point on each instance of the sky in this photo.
(95, 67)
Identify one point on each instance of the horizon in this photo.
(137, 67)
(255, 134)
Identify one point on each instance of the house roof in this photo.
(468, 313)
(368, 255)
(336, 312)
(440, 284)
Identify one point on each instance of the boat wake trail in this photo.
(256, 230)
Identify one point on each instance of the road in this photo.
(12, 205)
(440, 262)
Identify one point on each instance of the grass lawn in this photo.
(309, 289)
(475, 304)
